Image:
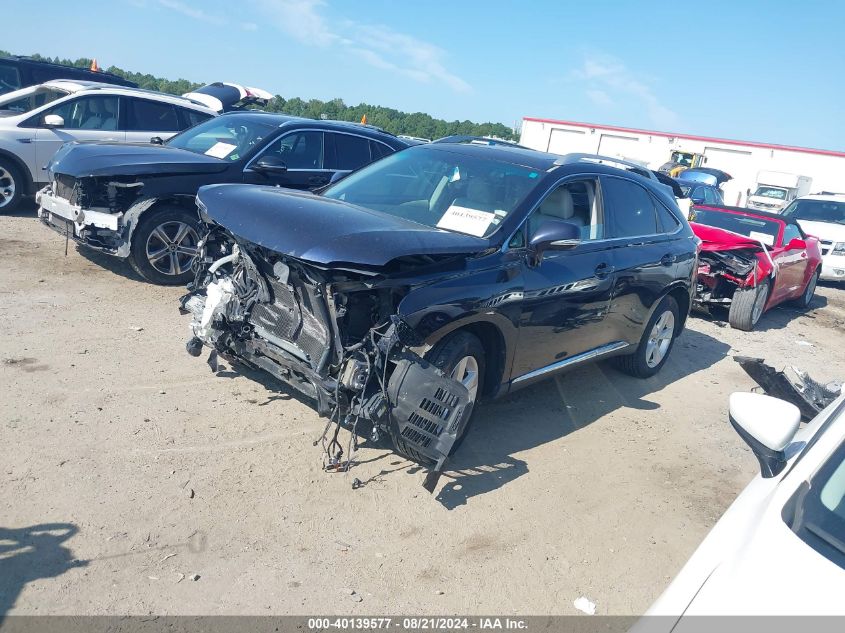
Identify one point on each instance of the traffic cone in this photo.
(364, 120)
(95, 68)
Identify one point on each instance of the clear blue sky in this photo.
(763, 71)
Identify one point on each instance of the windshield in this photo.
(771, 192)
(26, 100)
(227, 138)
(758, 229)
(682, 158)
(439, 188)
(817, 211)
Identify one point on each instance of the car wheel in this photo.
(656, 342)
(810, 291)
(748, 305)
(11, 186)
(460, 356)
(164, 246)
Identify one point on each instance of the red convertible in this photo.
(752, 261)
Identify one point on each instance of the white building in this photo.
(741, 159)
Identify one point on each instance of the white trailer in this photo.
(743, 160)
(776, 189)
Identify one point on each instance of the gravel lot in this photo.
(153, 470)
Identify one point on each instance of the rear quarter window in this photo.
(632, 209)
(10, 78)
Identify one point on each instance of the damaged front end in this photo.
(332, 334)
(95, 211)
(722, 272)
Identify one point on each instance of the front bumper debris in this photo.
(99, 230)
(794, 386)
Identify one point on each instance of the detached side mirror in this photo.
(54, 120)
(796, 244)
(767, 425)
(554, 235)
(157, 140)
(269, 164)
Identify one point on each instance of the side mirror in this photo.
(269, 164)
(697, 200)
(554, 235)
(54, 120)
(796, 244)
(767, 425)
(157, 140)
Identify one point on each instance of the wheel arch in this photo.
(29, 183)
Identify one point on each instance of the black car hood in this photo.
(324, 230)
(81, 160)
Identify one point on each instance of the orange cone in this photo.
(364, 119)
(94, 66)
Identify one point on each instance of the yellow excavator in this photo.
(680, 161)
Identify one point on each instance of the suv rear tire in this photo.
(656, 343)
(164, 244)
(11, 185)
(457, 352)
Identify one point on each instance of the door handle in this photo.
(668, 259)
(603, 270)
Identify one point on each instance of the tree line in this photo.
(416, 124)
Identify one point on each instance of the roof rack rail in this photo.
(568, 159)
(478, 140)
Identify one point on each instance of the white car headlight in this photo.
(838, 248)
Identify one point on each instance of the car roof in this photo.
(321, 124)
(97, 86)
(826, 197)
(503, 153)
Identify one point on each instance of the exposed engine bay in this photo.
(720, 273)
(334, 335)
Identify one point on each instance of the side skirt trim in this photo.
(573, 360)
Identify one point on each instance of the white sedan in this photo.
(780, 547)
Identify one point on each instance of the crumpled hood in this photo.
(81, 160)
(323, 230)
(715, 239)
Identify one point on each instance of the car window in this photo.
(754, 227)
(228, 137)
(10, 78)
(351, 152)
(668, 222)
(816, 511)
(92, 112)
(791, 232)
(632, 212)
(710, 196)
(379, 150)
(300, 150)
(817, 210)
(151, 116)
(437, 187)
(576, 202)
(190, 118)
(34, 98)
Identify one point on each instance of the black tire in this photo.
(644, 363)
(446, 355)
(806, 297)
(11, 185)
(745, 310)
(156, 227)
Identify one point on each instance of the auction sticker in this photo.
(220, 150)
(466, 220)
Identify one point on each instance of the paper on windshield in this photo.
(466, 220)
(220, 150)
(762, 237)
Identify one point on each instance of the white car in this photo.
(36, 121)
(823, 215)
(780, 547)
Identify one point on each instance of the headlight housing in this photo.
(838, 248)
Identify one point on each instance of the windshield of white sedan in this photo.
(758, 229)
(227, 138)
(441, 189)
(817, 211)
(18, 104)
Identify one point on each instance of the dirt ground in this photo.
(128, 468)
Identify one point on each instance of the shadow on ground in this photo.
(32, 553)
(555, 408)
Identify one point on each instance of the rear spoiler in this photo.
(226, 97)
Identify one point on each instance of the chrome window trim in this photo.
(572, 360)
